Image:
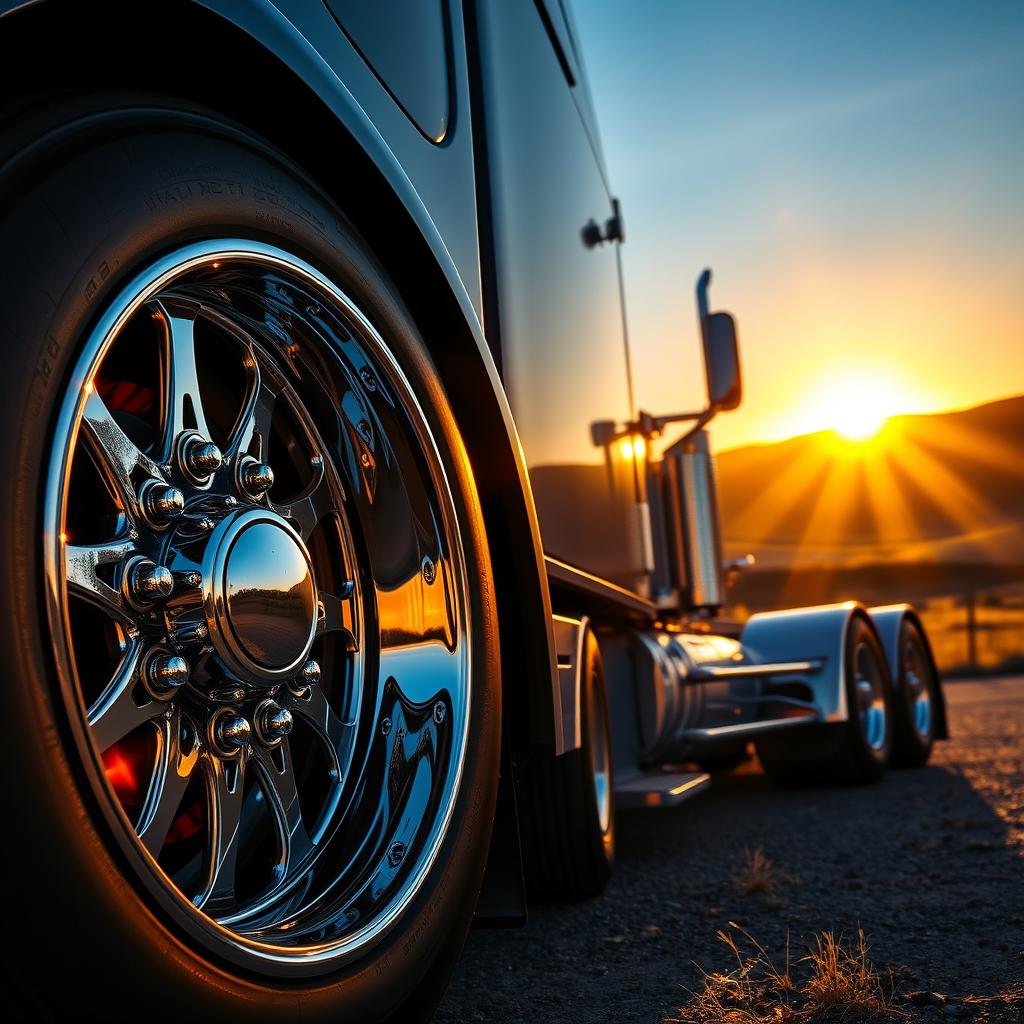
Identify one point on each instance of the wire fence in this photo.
(977, 631)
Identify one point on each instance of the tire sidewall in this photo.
(864, 763)
(100, 208)
(910, 750)
(594, 694)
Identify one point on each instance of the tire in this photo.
(117, 202)
(854, 752)
(567, 803)
(917, 700)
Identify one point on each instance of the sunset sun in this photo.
(857, 406)
(858, 413)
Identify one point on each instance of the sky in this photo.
(854, 176)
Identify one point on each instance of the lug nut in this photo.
(199, 458)
(309, 676)
(188, 631)
(231, 732)
(164, 674)
(254, 477)
(161, 503)
(273, 723)
(148, 582)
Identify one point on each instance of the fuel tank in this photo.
(660, 691)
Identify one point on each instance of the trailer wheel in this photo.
(856, 751)
(248, 598)
(916, 700)
(568, 807)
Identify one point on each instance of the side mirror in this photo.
(721, 352)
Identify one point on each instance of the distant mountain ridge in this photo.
(944, 487)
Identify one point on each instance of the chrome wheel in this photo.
(600, 759)
(917, 692)
(259, 607)
(869, 688)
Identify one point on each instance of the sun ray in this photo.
(966, 510)
(760, 519)
(893, 516)
(968, 442)
(833, 509)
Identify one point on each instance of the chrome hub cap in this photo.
(915, 687)
(268, 692)
(259, 597)
(870, 696)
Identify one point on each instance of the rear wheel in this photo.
(568, 807)
(257, 729)
(915, 711)
(856, 751)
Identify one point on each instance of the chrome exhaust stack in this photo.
(693, 500)
(689, 573)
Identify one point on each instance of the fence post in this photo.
(972, 629)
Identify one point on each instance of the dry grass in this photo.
(842, 977)
(758, 875)
(840, 986)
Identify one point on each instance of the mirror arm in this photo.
(607, 432)
(653, 426)
(646, 425)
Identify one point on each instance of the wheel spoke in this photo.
(225, 812)
(252, 431)
(81, 562)
(183, 404)
(335, 734)
(117, 456)
(115, 714)
(336, 616)
(280, 789)
(176, 760)
(317, 501)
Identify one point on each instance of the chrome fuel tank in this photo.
(659, 690)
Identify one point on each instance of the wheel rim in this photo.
(260, 616)
(600, 758)
(917, 692)
(870, 691)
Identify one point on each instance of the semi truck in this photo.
(350, 589)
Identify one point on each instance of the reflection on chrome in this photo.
(239, 602)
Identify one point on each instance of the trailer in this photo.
(350, 591)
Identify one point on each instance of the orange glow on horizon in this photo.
(902, 494)
(856, 404)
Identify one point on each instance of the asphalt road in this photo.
(929, 863)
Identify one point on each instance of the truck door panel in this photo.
(558, 308)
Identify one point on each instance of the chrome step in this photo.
(741, 729)
(660, 789)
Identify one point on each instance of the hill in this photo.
(941, 488)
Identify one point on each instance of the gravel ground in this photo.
(928, 863)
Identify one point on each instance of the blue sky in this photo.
(854, 174)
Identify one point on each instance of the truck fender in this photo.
(888, 620)
(274, 66)
(816, 635)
